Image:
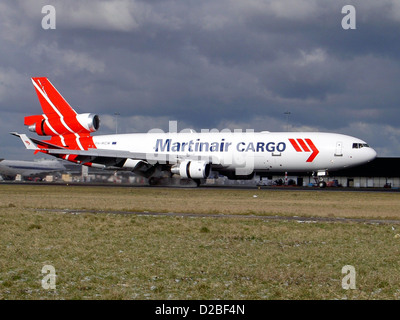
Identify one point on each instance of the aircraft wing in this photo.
(98, 153)
(38, 145)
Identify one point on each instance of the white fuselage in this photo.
(262, 151)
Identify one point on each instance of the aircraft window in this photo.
(360, 145)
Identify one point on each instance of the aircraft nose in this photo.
(371, 154)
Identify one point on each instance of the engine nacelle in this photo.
(89, 121)
(54, 125)
(192, 169)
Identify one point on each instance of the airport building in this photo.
(379, 173)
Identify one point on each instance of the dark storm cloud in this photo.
(208, 64)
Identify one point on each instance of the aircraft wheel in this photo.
(153, 181)
(322, 184)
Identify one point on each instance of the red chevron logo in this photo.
(305, 145)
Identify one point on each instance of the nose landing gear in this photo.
(322, 183)
(319, 178)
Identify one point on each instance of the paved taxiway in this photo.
(229, 216)
(216, 187)
(233, 216)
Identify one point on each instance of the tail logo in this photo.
(42, 87)
(305, 145)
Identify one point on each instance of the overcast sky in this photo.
(207, 64)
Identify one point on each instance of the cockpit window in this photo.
(360, 145)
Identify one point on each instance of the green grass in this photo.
(112, 256)
(229, 201)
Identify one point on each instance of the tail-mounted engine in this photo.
(192, 169)
(54, 125)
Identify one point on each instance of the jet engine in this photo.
(56, 125)
(90, 121)
(192, 169)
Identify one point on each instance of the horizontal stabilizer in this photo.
(29, 144)
(34, 144)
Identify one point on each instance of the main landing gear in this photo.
(169, 181)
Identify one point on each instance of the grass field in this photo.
(125, 256)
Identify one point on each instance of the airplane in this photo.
(189, 154)
(9, 169)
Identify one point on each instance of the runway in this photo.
(216, 187)
(229, 216)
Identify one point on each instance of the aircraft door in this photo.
(339, 149)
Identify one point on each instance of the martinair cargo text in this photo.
(189, 154)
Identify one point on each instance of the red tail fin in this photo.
(59, 120)
(51, 100)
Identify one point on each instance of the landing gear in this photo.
(154, 181)
(322, 184)
(167, 181)
(319, 178)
